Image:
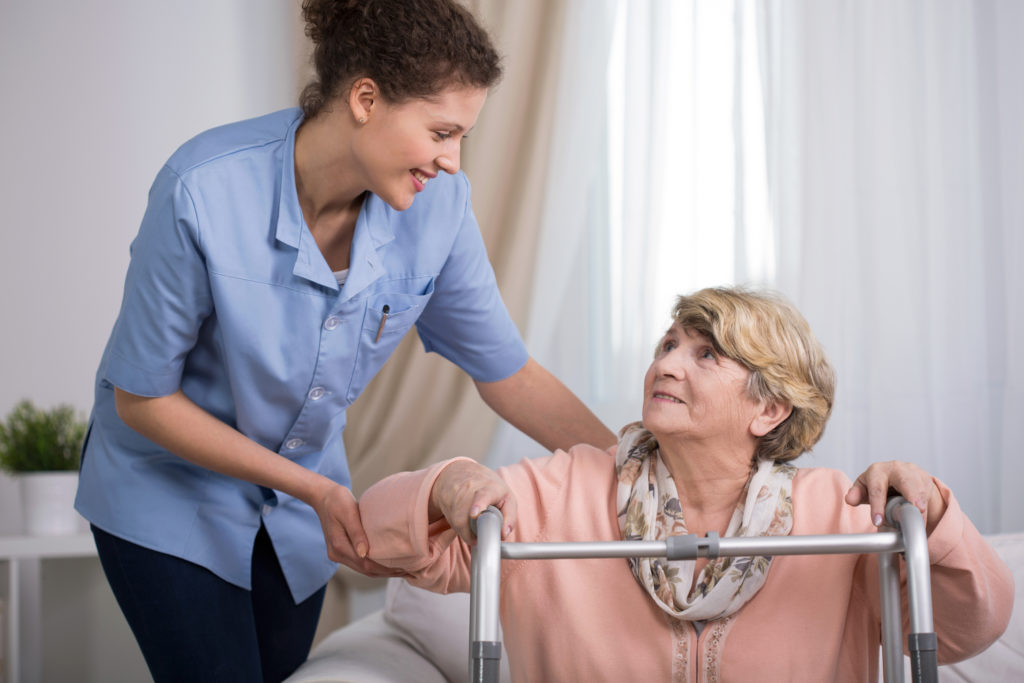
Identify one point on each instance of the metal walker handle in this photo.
(484, 598)
(911, 540)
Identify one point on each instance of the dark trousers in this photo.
(194, 626)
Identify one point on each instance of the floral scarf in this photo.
(648, 509)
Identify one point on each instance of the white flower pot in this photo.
(48, 503)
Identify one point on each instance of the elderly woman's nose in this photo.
(671, 364)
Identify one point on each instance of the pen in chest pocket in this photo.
(383, 319)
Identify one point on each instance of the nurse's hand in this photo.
(343, 531)
(463, 490)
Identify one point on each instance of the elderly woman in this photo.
(738, 387)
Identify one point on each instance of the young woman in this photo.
(279, 262)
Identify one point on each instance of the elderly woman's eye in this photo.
(709, 353)
(668, 345)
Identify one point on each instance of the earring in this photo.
(362, 119)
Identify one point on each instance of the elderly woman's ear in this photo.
(773, 413)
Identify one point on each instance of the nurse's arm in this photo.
(183, 428)
(538, 404)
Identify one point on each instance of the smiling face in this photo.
(693, 392)
(402, 146)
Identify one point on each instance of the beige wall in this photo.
(97, 94)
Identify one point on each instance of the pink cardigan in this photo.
(815, 619)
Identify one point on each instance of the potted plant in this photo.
(41, 448)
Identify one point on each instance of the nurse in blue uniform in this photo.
(278, 264)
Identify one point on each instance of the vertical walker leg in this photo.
(892, 630)
(921, 641)
(484, 599)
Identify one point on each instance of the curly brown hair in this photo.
(410, 48)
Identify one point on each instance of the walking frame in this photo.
(906, 537)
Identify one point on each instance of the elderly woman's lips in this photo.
(666, 397)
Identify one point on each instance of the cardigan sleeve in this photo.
(394, 514)
(972, 588)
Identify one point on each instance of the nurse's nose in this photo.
(450, 162)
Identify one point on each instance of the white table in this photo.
(22, 554)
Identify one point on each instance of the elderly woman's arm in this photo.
(405, 532)
(405, 514)
(419, 522)
(972, 587)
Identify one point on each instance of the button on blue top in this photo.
(228, 298)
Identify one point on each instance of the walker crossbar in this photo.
(908, 539)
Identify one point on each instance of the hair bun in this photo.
(410, 48)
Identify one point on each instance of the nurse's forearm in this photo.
(538, 404)
(183, 428)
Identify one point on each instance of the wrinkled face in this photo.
(403, 146)
(693, 392)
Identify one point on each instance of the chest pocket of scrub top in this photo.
(388, 316)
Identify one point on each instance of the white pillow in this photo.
(436, 625)
(368, 651)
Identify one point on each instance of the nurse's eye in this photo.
(441, 136)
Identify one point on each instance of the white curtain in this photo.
(686, 162)
(659, 189)
(864, 158)
(896, 168)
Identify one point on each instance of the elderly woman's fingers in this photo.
(501, 497)
(464, 489)
(491, 491)
(874, 485)
(913, 483)
(510, 510)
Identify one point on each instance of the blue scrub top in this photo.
(228, 298)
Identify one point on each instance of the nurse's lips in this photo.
(420, 178)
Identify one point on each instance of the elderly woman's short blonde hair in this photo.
(763, 332)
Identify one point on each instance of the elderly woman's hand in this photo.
(909, 480)
(463, 490)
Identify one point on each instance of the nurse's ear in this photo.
(362, 98)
